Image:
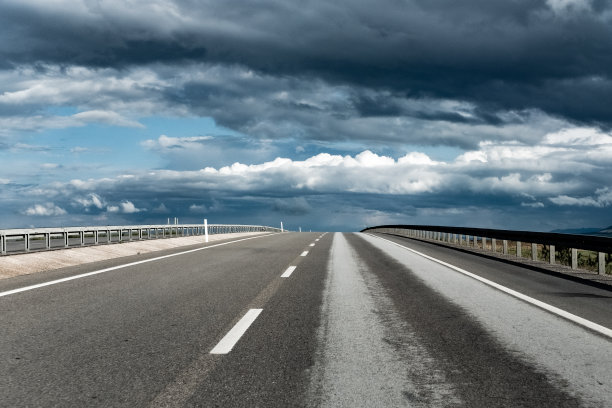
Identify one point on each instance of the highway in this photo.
(304, 320)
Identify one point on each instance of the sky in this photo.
(324, 115)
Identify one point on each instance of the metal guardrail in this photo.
(13, 241)
(481, 237)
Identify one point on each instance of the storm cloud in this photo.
(529, 54)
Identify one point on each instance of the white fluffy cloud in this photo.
(564, 164)
(44, 210)
(124, 207)
(91, 200)
(601, 198)
(127, 207)
(165, 142)
(566, 171)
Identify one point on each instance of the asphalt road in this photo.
(359, 321)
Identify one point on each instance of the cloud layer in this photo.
(497, 55)
(565, 171)
(430, 111)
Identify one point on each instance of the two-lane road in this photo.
(301, 319)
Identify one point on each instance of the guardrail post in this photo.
(574, 258)
(552, 254)
(66, 240)
(601, 263)
(3, 244)
(206, 230)
(475, 241)
(494, 244)
(519, 249)
(26, 238)
(96, 237)
(484, 243)
(505, 247)
(82, 237)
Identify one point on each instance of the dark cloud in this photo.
(499, 55)
(292, 206)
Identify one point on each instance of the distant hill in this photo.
(606, 232)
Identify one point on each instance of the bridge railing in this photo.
(587, 252)
(14, 241)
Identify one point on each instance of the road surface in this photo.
(304, 319)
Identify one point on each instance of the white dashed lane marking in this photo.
(228, 342)
(288, 272)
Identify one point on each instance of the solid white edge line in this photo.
(288, 272)
(550, 308)
(304, 253)
(228, 342)
(113, 268)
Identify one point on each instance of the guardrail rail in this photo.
(13, 241)
(587, 252)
